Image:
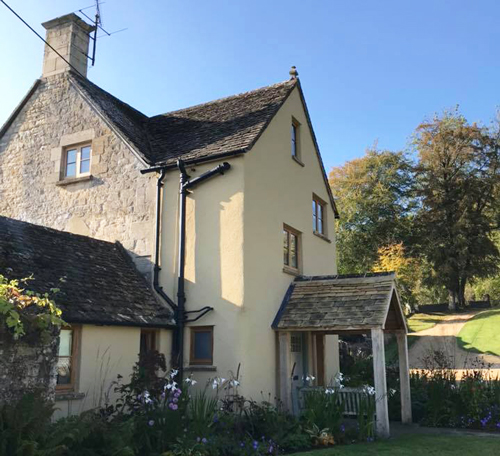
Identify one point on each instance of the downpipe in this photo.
(185, 184)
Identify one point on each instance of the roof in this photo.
(218, 129)
(341, 303)
(98, 281)
(231, 124)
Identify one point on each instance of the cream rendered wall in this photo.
(105, 353)
(234, 259)
(214, 259)
(278, 190)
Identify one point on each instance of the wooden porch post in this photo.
(284, 370)
(404, 377)
(382, 409)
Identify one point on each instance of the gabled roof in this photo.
(341, 303)
(228, 125)
(221, 128)
(98, 281)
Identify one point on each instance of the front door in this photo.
(298, 361)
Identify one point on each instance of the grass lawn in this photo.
(421, 322)
(482, 333)
(418, 445)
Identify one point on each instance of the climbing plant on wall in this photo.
(23, 311)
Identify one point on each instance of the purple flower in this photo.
(255, 444)
(175, 406)
(204, 440)
(198, 439)
(151, 422)
(342, 428)
(175, 400)
(242, 444)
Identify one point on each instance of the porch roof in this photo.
(341, 303)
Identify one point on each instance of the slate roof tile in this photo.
(100, 282)
(336, 302)
(222, 126)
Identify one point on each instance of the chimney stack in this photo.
(69, 36)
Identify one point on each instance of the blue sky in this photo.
(371, 70)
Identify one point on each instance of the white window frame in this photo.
(79, 160)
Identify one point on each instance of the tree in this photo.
(392, 258)
(372, 195)
(457, 176)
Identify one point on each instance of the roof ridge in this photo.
(367, 275)
(291, 82)
(67, 233)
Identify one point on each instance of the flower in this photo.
(370, 390)
(255, 444)
(310, 378)
(190, 381)
(171, 386)
(204, 440)
(234, 383)
(151, 422)
(392, 392)
(173, 373)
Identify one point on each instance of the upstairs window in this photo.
(202, 345)
(67, 360)
(318, 213)
(77, 161)
(291, 241)
(294, 135)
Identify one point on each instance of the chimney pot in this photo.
(293, 72)
(69, 36)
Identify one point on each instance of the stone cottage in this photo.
(221, 206)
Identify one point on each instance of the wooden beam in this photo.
(381, 402)
(404, 377)
(284, 371)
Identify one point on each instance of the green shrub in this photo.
(324, 408)
(24, 424)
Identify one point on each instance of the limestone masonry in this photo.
(115, 204)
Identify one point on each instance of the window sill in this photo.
(68, 396)
(201, 368)
(291, 271)
(73, 180)
(322, 236)
(298, 160)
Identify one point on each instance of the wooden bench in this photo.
(350, 397)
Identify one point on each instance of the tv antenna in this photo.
(97, 20)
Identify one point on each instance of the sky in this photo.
(371, 71)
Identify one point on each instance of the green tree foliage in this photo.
(372, 195)
(457, 175)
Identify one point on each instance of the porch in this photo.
(315, 307)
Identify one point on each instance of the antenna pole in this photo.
(96, 24)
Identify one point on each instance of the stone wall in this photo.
(116, 204)
(27, 366)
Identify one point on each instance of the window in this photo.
(77, 161)
(67, 360)
(295, 139)
(296, 343)
(318, 212)
(148, 341)
(291, 248)
(202, 345)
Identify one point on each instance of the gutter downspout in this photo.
(157, 268)
(184, 185)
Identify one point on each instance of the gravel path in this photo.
(442, 337)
